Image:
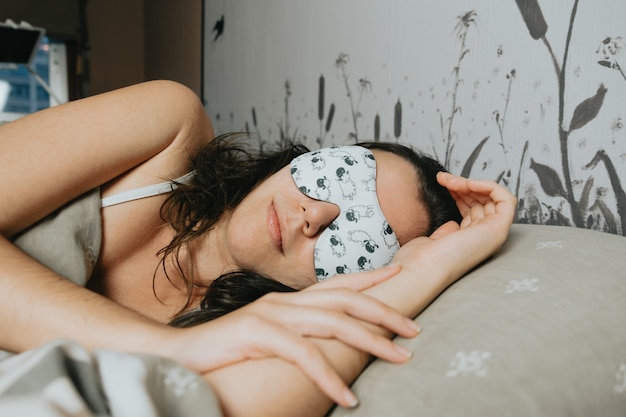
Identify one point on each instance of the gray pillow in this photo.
(540, 329)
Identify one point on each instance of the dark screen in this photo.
(17, 45)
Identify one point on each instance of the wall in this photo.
(173, 34)
(116, 44)
(137, 40)
(529, 93)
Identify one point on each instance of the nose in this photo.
(317, 216)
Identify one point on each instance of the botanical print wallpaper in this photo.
(529, 93)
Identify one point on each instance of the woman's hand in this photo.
(338, 309)
(487, 209)
(483, 203)
(277, 325)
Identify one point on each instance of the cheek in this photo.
(243, 235)
(250, 251)
(297, 270)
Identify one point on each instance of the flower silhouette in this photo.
(608, 51)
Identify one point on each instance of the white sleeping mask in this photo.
(360, 238)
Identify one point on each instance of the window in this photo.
(22, 92)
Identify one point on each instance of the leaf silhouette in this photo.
(467, 168)
(557, 219)
(549, 179)
(397, 119)
(320, 98)
(588, 109)
(609, 218)
(377, 128)
(254, 117)
(533, 17)
(331, 114)
(620, 194)
(584, 196)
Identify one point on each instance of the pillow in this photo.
(540, 329)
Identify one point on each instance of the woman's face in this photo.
(274, 229)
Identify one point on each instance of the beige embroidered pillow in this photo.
(540, 330)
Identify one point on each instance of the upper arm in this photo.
(55, 155)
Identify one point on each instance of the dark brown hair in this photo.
(225, 172)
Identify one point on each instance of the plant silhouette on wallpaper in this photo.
(464, 24)
(500, 118)
(597, 215)
(284, 127)
(609, 50)
(324, 127)
(364, 87)
(588, 209)
(449, 136)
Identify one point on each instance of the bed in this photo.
(540, 329)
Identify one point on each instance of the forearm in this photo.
(37, 305)
(275, 387)
(430, 265)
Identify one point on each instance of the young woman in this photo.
(156, 261)
(225, 174)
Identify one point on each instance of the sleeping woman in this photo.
(237, 265)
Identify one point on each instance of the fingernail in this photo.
(350, 398)
(414, 325)
(404, 351)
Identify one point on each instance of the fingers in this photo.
(332, 324)
(445, 229)
(270, 340)
(340, 308)
(277, 328)
(480, 190)
(356, 304)
(474, 209)
(477, 199)
(466, 190)
(248, 334)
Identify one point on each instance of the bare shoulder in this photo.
(192, 131)
(125, 138)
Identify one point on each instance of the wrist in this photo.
(162, 340)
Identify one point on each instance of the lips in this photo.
(273, 226)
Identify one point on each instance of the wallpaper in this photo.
(529, 93)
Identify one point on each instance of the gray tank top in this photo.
(67, 241)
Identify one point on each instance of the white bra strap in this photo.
(146, 191)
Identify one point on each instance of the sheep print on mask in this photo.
(360, 238)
